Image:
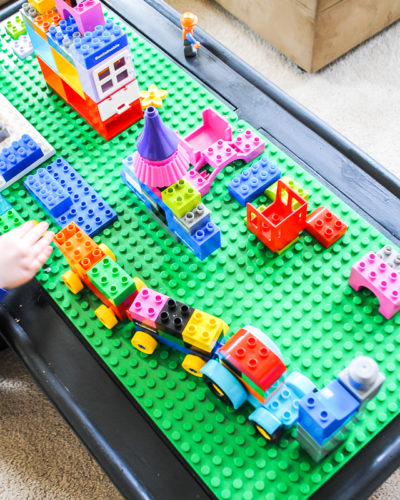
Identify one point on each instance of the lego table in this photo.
(133, 452)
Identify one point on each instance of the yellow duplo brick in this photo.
(68, 72)
(42, 6)
(203, 330)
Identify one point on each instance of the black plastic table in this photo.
(131, 450)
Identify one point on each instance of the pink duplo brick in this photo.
(373, 273)
(220, 154)
(249, 145)
(147, 306)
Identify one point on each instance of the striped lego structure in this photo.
(86, 60)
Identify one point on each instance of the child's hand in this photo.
(23, 251)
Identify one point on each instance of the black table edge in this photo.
(358, 478)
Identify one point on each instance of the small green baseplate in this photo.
(301, 298)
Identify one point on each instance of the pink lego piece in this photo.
(147, 306)
(161, 173)
(249, 146)
(87, 15)
(373, 273)
(220, 154)
(214, 127)
(199, 181)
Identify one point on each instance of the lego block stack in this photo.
(86, 60)
(327, 416)
(156, 174)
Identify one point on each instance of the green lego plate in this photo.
(301, 298)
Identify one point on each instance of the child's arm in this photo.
(23, 251)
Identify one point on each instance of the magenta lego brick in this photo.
(87, 14)
(147, 306)
(87, 209)
(18, 157)
(253, 181)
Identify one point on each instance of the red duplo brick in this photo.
(325, 226)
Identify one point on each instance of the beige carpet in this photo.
(40, 457)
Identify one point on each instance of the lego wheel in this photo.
(106, 316)
(267, 436)
(215, 389)
(144, 342)
(104, 248)
(72, 281)
(193, 364)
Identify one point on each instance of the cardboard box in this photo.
(313, 33)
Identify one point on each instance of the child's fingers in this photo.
(23, 229)
(35, 233)
(41, 258)
(40, 245)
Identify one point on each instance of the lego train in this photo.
(246, 367)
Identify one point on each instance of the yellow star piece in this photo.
(153, 97)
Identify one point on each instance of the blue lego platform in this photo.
(98, 45)
(19, 156)
(253, 181)
(323, 413)
(67, 197)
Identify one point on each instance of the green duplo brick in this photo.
(112, 281)
(15, 26)
(10, 220)
(301, 299)
(181, 197)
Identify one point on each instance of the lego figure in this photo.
(23, 251)
(189, 22)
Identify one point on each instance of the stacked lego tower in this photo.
(156, 174)
(86, 60)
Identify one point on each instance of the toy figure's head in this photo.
(189, 20)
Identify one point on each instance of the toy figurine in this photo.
(188, 22)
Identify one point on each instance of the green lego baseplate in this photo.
(301, 299)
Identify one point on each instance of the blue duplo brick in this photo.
(206, 240)
(323, 413)
(69, 198)
(98, 45)
(253, 181)
(51, 195)
(18, 157)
